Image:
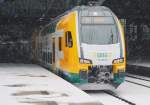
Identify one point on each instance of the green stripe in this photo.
(71, 77)
(119, 79)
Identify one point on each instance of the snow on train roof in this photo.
(94, 11)
(102, 10)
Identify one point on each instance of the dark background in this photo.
(19, 18)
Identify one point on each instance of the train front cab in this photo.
(86, 64)
(107, 59)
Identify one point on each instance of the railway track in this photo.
(137, 83)
(135, 77)
(118, 97)
(137, 80)
(119, 100)
(134, 91)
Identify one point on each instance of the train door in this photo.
(49, 51)
(53, 53)
(57, 52)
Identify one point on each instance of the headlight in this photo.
(120, 60)
(85, 61)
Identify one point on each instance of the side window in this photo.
(50, 57)
(69, 41)
(53, 50)
(60, 48)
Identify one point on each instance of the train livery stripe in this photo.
(77, 33)
(121, 35)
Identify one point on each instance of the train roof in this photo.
(99, 10)
(86, 10)
(91, 8)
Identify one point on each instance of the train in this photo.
(85, 46)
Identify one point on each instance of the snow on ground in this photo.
(138, 76)
(139, 63)
(22, 84)
(147, 83)
(134, 93)
(106, 99)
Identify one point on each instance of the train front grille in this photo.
(100, 74)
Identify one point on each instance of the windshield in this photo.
(98, 31)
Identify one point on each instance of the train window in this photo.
(97, 20)
(99, 34)
(60, 48)
(50, 57)
(66, 37)
(53, 50)
(69, 41)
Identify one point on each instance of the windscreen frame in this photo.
(115, 23)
